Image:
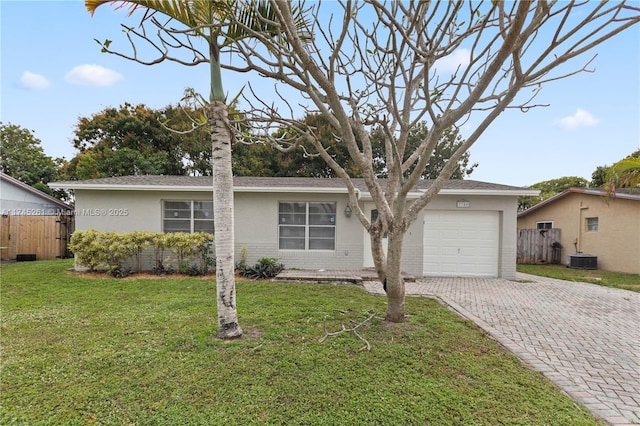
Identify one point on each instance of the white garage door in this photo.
(461, 243)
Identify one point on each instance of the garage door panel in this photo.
(461, 243)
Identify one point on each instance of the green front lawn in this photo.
(82, 350)
(609, 279)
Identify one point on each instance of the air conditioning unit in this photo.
(582, 261)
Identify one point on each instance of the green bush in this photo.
(90, 248)
(109, 251)
(265, 268)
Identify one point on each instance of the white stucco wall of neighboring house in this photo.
(18, 201)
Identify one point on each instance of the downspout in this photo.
(578, 242)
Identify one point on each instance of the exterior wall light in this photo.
(348, 211)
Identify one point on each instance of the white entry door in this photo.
(372, 213)
(461, 243)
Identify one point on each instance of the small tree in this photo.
(374, 65)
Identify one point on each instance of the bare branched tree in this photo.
(383, 66)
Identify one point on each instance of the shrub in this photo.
(265, 268)
(90, 249)
(108, 251)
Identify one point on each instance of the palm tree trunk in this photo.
(221, 136)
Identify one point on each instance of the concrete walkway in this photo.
(583, 337)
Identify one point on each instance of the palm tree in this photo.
(214, 21)
(624, 174)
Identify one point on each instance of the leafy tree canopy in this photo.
(259, 159)
(133, 140)
(549, 188)
(623, 174)
(23, 158)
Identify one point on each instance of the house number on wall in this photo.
(463, 204)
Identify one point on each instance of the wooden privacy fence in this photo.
(46, 237)
(539, 246)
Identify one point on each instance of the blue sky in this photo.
(52, 72)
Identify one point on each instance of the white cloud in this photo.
(92, 75)
(459, 58)
(32, 80)
(580, 118)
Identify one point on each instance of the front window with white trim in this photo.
(187, 216)
(306, 226)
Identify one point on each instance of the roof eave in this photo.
(199, 188)
(500, 192)
(288, 189)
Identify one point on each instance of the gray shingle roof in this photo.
(264, 182)
(36, 192)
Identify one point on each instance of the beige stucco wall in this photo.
(616, 243)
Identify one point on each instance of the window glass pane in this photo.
(293, 219)
(292, 213)
(293, 208)
(322, 238)
(291, 244)
(544, 225)
(177, 209)
(322, 213)
(177, 205)
(292, 232)
(203, 210)
(203, 226)
(321, 245)
(292, 238)
(324, 232)
(592, 224)
(177, 226)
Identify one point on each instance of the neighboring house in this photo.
(33, 224)
(592, 222)
(469, 229)
(18, 198)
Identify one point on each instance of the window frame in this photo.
(591, 224)
(309, 226)
(544, 222)
(192, 218)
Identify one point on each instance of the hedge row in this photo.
(111, 251)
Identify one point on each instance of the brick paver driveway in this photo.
(583, 337)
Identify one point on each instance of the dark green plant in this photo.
(265, 268)
(119, 271)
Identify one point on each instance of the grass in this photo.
(78, 350)
(609, 279)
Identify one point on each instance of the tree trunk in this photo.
(378, 253)
(394, 280)
(221, 136)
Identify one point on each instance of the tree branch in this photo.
(353, 330)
